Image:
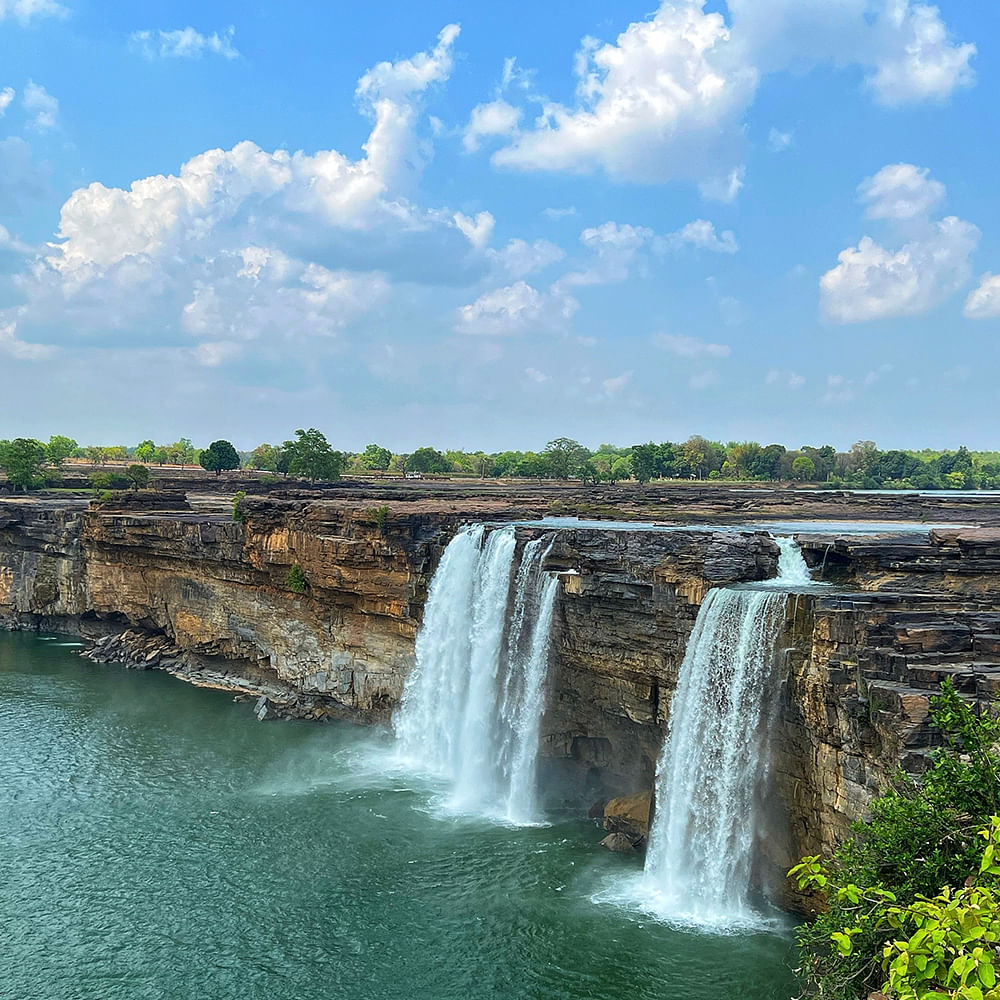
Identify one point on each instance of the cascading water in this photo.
(472, 706)
(698, 863)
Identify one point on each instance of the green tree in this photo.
(644, 459)
(565, 457)
(137, 475)
(218, 457)
(803, 467)
(59, 449)
(376, 457)
(22, 460)
(264, 456)
(427, 460)
(621, 468)
(311, 456)
(145, 451)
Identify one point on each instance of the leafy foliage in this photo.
(238, 499)
(219, 456)
(137, 475)
(22, 460)
(311, 456)
(296, 579)
(900, 871)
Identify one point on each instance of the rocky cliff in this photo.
(184, 587)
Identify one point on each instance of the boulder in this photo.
(630, 816)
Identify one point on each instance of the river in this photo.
(156, 841)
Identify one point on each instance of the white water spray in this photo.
(698, 864)
(472, 706)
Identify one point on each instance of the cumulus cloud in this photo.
(184, 43)
(690, 347)
(984, 300)
(30, 10)
(245, 244)
(873, 282)
(513, 310)
(41, 106)
(900, 191)
(495, 118)
(6, 97)
(520, 258)
(650, 107)
(701, 234)
(667, 99)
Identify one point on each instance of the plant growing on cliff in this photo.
(922, 838)
(238, 499)
(296, 579)
(379, 516)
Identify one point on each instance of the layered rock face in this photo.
(220, 590)
(191, 591)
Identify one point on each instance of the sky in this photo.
(489, 225)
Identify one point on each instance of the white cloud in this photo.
(922, 63)
(900, 191)
(690, 347)
(513, 310)
(477, 229)
(613, 386)
(496, 118)
(536, 376)
(614, 247)
(701, 234)
(650, 107)
(6, 97)
(984, 300)
(41, 106)
(702, 380)
(246, 244)
(904, 46)
(520, 258)
(559, 213)
(667, 99)
(790, 380)
(184, 43)
(873, 282)
(19, 349)
(839, 390)
(29, 10)
(778, 141)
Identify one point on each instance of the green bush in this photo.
(238, 499)
(379, 515)
(921, 844)
(296, 579)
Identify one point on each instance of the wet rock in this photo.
(618, 842)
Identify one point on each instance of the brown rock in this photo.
(618, 843)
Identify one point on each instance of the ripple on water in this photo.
(158, 842)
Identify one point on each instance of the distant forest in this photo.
(865, 466)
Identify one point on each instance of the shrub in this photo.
(238, 499)
(296, 579)
(921, 840)
(380, 515)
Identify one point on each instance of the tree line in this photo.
(309, 455)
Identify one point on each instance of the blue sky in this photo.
(479, 226)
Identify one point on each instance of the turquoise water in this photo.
(158, 842)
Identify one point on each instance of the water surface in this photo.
(158, 842)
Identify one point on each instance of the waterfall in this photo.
(472, 706)
(698, 863)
